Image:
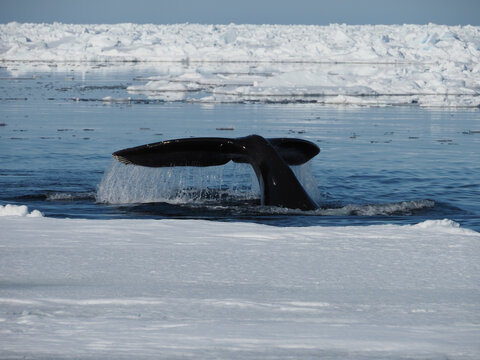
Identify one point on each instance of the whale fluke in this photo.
(270, 159)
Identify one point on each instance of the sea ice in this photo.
(429, 65)
(18, 210)
(198, 289)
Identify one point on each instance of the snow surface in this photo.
(430, 65)
(192, 289)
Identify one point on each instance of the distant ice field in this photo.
(429, 65)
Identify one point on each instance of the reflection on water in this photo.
(58, 129)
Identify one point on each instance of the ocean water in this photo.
(390, 164)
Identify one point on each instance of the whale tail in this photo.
(270, 159)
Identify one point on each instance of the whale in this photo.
(270, 158)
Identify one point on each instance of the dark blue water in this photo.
(398, 165)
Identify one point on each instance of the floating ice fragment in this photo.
(18, 210)
(110, 99)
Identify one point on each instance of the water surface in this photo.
(399, 164)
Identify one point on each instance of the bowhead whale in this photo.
(270, 159)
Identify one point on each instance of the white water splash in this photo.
(127, 184)
(67, 196)
(304, 174)
(403, 208)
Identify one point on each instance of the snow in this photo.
(199, 289)
(429, 65)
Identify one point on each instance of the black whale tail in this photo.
(270, 159)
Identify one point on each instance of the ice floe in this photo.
(18, 210)
(201, 289)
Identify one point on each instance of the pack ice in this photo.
(429, 65)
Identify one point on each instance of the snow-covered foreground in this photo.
(430, 65)
(199, 289)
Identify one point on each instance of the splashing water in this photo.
(217, 185)
(304, 174)
(395, 208)
(127, 184)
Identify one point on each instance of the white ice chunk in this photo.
(18, 210)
